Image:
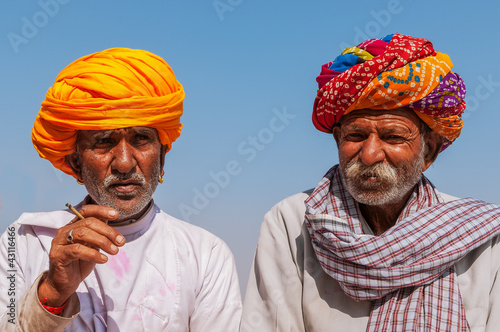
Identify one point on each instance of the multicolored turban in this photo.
(115, 88)
(393, 72)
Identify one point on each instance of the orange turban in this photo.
(115, 88)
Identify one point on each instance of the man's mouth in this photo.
(371, 178)
(125, 187)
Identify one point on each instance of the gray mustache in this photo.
(112, 178)
(356, 168)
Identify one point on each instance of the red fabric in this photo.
(53, 310)
(338, 94)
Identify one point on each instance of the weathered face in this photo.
(381, 154)
(120, 167)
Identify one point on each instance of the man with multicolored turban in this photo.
(120, 264)
(375, 246)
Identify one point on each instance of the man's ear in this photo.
(433, 144)
(336, 134)
(163, 152)
(73, 160)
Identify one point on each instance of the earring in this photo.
(79, 182)
(160, 178)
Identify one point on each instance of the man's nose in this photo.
(372, 151)
(123, 159)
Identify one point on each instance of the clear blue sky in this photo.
(249, 69)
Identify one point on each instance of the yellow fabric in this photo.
(359, 52)
(115, 88)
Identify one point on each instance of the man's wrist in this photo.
(49, 295)
(53, 310)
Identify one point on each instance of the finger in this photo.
(67, 254)
(103, 213)
(89, 237)
(80, 233)
(75, 219)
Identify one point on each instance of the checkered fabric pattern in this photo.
(408, 271)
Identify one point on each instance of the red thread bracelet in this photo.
(53, 310)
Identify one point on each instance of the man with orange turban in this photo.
(122, 264)
(375, 246)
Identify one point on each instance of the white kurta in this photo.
(289, 291)
(169, 276)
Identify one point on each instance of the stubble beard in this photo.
(394, 182)
(104, 195)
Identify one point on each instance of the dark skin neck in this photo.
(381, 218)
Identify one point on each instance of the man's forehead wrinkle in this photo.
(390, 130)
(391, 117)
(145, 130)
(94, 133)
(382, 129)
(109, 132)
(352, 127)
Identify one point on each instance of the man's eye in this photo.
(394, 138)
(103, 141)
(141, 138)
(353, 137)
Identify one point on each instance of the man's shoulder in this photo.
(294, 202)
(289, 212)
(445, 197)
(53, 219)
(40, 225)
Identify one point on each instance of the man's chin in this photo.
(126, 197)
(371, 200)
(128, 206)
(127, 214)
(373, 194)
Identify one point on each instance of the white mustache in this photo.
(113, 178)
(386, 173)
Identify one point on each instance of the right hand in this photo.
(71, 263)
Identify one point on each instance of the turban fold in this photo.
(115, 88)
(393, 72)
